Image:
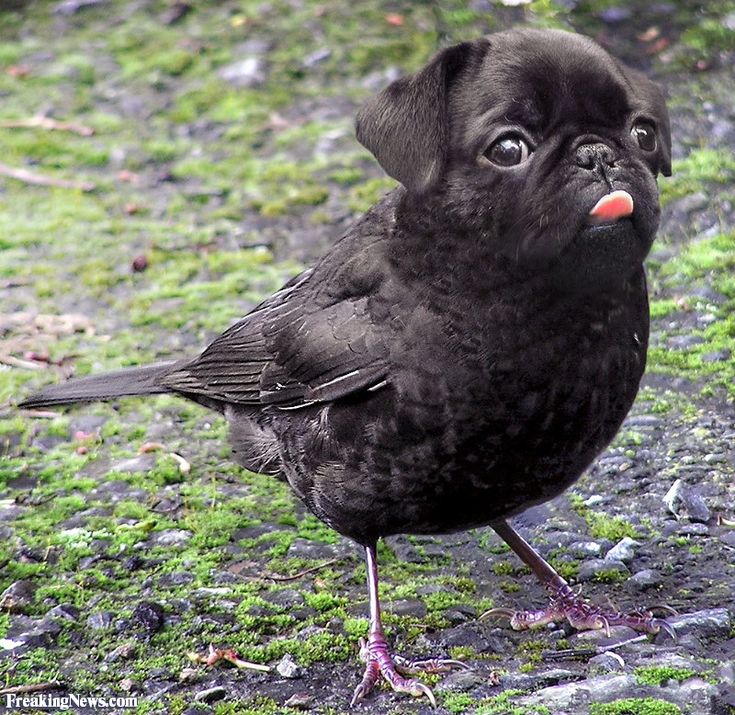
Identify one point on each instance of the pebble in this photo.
(72, 7)
(286, 598)
(684, 500)
(288, 668)
(585, 548)
(645, 579)
(623, 551)
(708, 623)
(126, 651)
(170, 537)
(591, 567)
(142, 463)
(149, 616)
(100, 620)
(608, 662)
(247, 72)
(407, 607)
(299, 701)
(314, 550)
(17, 597)
(64, 612)
(210, 695)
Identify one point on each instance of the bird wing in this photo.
(290, 352)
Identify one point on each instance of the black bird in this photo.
(470, 345)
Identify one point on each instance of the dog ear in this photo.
(406, 126)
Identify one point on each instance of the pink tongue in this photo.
(612, 207)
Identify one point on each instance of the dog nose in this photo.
(590, 156)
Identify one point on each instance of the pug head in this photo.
(537, 143)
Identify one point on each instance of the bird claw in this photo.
(565, 605)
(380, 662)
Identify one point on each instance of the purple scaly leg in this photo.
(565, 604)
(377, 654)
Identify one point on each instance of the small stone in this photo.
(600, 638)
(17, 597)
(461, 680)
(189, 675)
(683, 500)
(210, 695)
(288, 668)
(728, 538)
(693, 530)
(148, 615)
(126, 651)
(682, 342)
(142, 463)
(100, 620)
(623, 551)
(286, 598)
(317, 57)
(170, 537)
(589, 569)
(247, 72)
(585, 549)
(645, 579)
(407, 607)
(608, 662)
(139, 263)
(64, 612)
(72, 7)
(313, 550)
(299, 701)
(709, 623)
(717, 356)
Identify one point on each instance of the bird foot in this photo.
(565, 605)
(381, 662)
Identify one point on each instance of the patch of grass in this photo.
(695, 171)
(601, 525)
(635, 706)
(661, 674)
(503, 705)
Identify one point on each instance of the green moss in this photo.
(457, 702)
(601, 525)
(694, 172)
(635, 706)
(503, 705)
(661, 674)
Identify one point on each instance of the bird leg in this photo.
(565, 604)
(380, 661)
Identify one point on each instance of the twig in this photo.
(40, 122)
(33, 688)
(15, 283)
(29, 177)
(39, 414)
(588, 652)
(304, 572)
(11, 361)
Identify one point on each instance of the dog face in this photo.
(515, 138)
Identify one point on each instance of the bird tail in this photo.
(146, 380)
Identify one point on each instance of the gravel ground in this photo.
(223, 160)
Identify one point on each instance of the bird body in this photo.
(473, 341)
(347, 382)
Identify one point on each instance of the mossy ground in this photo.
(227, 191)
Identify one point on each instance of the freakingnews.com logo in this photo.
(45, 701)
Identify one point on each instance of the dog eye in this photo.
(508, 150)
(645, 135)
